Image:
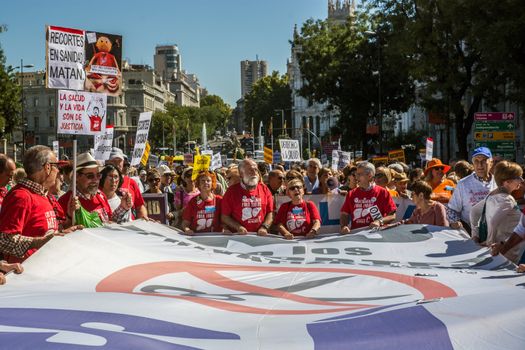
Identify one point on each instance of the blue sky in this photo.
(213, 35)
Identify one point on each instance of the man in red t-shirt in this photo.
(27, 218)
(89, 195)
(129, 185)
(248, 205)
(7, 170)
(368, 204)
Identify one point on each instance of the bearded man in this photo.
(248, 205)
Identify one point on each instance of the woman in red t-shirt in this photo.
(297, 217)
(202, 214)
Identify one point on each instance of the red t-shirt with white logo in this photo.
(359, 201)
(28, 214)
(95, 123)
(248, 208)
(204, 216)
(298, 219)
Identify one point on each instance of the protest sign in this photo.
(200, 163)
(397, 155)
(335, 160)
(290, 150)
(157, 206)
(216, 161)
(145, 156)
(268, 155)
(142, 137)
(81, 113)
(65, 50)
(103, 144)
(429, 149)
(103, 63)
(153, 161)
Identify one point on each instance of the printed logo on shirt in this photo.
(295, 220)
(52, 223)
(251, 207)
(362, 207)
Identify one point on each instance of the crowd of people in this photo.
(481, 196)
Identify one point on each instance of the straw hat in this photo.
(86, 161)
(436, 163)
(401, 177)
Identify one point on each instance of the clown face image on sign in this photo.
(103, 72)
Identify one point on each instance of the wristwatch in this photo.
(266, 226)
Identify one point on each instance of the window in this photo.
(51, 101)
(36, 123)
(35, 102)
(51, 121)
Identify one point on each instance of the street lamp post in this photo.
(282, 119)
(21, 67)
(378, 73)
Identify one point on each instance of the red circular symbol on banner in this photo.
(127, 279)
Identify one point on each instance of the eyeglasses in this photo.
(113, 177)
(188, 174)
(90, 176)
(439, 168)
(154, 179)
(55, 164)
(519, 178)
(281, 178)
(293, 188)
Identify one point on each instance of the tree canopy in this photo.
(10, 93)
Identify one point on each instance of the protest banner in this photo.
(157, 206)
(102, 144)
(200, 163)
(141, 138)
(216, 161)
(103, 63)
(145, 156)
(408, 287)
(65, 56)
(81, 113)
(290, 150)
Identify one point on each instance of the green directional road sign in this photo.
(497, 145)
(494, 126)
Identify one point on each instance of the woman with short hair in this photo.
(111, 180)
(427, 211)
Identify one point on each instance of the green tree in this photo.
(10, 107)
(458, 50)
(344, 66)
(268, 97)
(217, 104)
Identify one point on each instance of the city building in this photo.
(313, 121)
(251, 71)
(168, 66)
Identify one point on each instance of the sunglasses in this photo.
(293, 188)
(188, 174)
(154, 179)
(281, 178)
(439, 168)
(90, 176)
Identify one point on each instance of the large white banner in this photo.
(102, 144)
(81, 113)
(144, 286)
(141, 137)
(65, 55)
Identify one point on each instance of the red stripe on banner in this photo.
(127, 279)
(67, 30)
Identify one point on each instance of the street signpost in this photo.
(497, 131)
